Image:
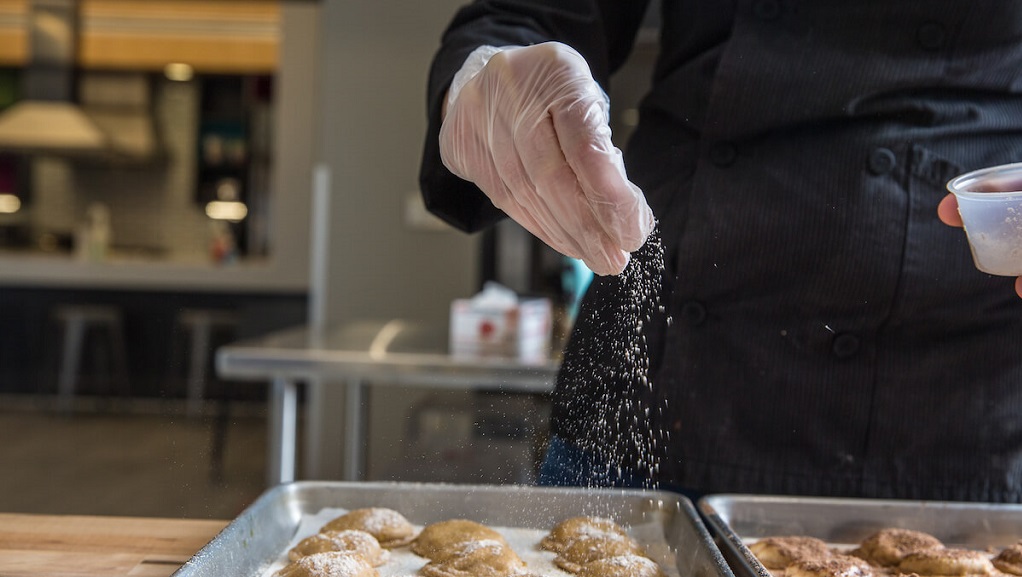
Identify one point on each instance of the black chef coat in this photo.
(822, 332)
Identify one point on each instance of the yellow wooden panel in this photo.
(154, 53)
(210, 35)
(268, 10)
(13, 48)
(13, 40)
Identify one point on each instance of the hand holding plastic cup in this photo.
(990, 204)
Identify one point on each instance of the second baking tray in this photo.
(262, 532)
(737, 518)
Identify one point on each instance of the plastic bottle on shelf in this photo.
(94, 235)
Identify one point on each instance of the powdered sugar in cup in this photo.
(990, 202)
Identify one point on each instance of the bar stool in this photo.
(200, 325)
(77, 321)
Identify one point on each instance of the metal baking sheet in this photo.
(263, 531)
(734, 519)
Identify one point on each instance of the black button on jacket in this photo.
(844, 343)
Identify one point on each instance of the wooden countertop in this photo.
(84, 546)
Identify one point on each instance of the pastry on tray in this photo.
(947, 561)
(477, 558)
(351, 540)
(1009, 560)
(627, 565)
(586, 549)
(436, 540)
(887, 547)
(776, 553)
(830, 566)
(329, 564)
(568, 530)
(389, 527)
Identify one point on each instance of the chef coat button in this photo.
(845, 345)
(723, 154)
(931, 36)
(881, 161)
(767, 9)
(694, 313)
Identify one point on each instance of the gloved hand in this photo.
(529, 126)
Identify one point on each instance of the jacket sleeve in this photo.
(603, 31)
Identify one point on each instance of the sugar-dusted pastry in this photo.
(389, 527)
(947, 561)
(829, 566)
(887, 547)
(568, 530)
(584, 550)
(436, 539)
(627, 565)
(351, 540)
(477, 558)
(329, 564)
(779, 552)
(1009, 560)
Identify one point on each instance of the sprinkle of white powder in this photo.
(469, 547)
(334, 563)
(379, 519)
(624, 345)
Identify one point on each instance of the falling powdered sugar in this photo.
(614, 400)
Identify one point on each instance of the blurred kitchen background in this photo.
(159, 165)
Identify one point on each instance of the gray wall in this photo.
(375, 58)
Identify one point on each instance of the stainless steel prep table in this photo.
(358, 355)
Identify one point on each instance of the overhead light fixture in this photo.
(232, 211)
(179, 71)
(37, 126)
(9, 203)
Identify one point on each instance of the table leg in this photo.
(283, 431)
(354, 444)
(201, 334)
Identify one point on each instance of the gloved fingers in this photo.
(460, 141)
(520, 199)
(524, 218)
(602, 255)
(593, 247)
(560, 194)
(619, 205)
(480, 148)
(609, 261)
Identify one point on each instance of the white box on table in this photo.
(520, 331)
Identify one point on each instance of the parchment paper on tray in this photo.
(525, 542)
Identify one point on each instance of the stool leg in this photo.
(219, 441)
(74, 334)
(197, 368)
(119, 359)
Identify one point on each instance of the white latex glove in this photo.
(529, 126)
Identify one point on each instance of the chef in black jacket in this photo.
(822, 332)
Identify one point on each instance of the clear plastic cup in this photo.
(990, 202)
